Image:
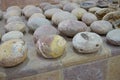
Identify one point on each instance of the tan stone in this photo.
(2, 76)
(54, 75)
(114, 68)
(73, 58)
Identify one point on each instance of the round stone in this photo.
(27, 7)
(70, 6)
(34, 23)
(35, 15)
(61, 16)
(15, 26)
(71, 27)
(12, 35)
(49, 13)
(94, 9)
(87, 42)
(43, 31)
(14, 18)
(113, 37)
(50, 7)
(89, 18)
(102, 4)
(78, 12)
(87, 4)
(11, 8)
(101, 27)
(13, 52)
(51, 46)
(42, 5)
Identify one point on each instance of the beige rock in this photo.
(101, 27)
(14, 18)
(27, 7)
(94, 9)
(35, 15)
(78, 12)
(89, 18)
(61, 16)
(50, 7)
(51, 46)
(71, 27)
(70, 6)
(113, 37)
(49, 13)
(13, 52)
(87, 42)
(42, 5)
(15, 26)
(11, 8)
(34, 23)
(12, 35)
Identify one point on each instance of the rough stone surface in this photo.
(113, 37)
(51, 46)
(87, 42)
(34, 23)
(71, 27)
(35, 15)
(15, 26)
(50, 7)
(43, 31)
(94, 9)
(11, 8)
(12, 35)
(70, 6)
(14, 18)
(101, 27)
(61, 16)
(89, 18)
(90, 71)
(78, 12)
(49, 13)
(13, 52)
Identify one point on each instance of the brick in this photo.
(113, 68)
(54, 75)
(73, 58)
(90, 71)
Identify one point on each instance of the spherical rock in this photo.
(51, 46)
(87, 4)
(14, 18)
(102, 4)
(70, 6)
(27, 7)
(35, 15)
(30, 11)
(11, 8)
(49, 13)
(11, 13)
(88, 18)
(42, 5)
(71, 27)
(15, 26)
(12, 35)
(78, 12)
(61, 16)
(13, 52)
(101, 27)
(113, 37)
(50, 7)
(94, 9)
(87, 42)
(34, 23)
(43, 31)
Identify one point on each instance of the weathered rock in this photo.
(42, 5)
(78, 12)
(31, 10)
(101, 27)
(61, 16)
(11, 8)
(51, 46)
(94, 9)
(43, 31)
(70, 6)
(89, 18)
(87, 42)
(14, 18)
(11, 13)
(35, 15)
(50, 7)
(15, 26)
(49, 13)
(113, 37)
(34, 23)
(114, 18)
(27, 7)
(87, 4)
(12, 35)
(102, 12)
(102, 3)
(13, 52)
(71, 27)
